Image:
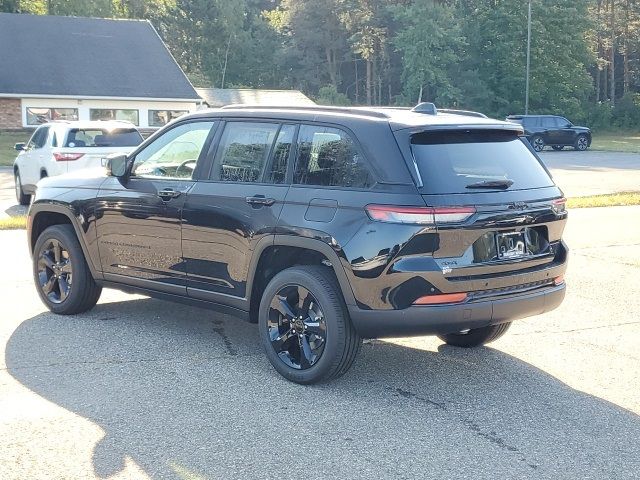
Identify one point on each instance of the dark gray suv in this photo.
(542, 130)
(323, 225)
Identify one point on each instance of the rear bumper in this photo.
(440, 319)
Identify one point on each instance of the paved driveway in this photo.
(140, 388)
(593, 173)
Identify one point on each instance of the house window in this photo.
(158, 118)
(128, 115)
(36, 116)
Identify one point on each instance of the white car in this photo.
(60, 147)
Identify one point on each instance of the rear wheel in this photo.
(476, 336)
(537, 142)
(61, 273)
(305, 327)
(582, 143)
(21, 197)
(557, 148)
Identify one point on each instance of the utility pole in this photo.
(526, 90)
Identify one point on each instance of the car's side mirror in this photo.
(117, 165)
(20, 147)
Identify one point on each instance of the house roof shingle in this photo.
(87, 57)
(219, 97)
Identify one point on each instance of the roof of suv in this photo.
(397, 118)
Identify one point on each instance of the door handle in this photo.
(260, 200)
(167, 194)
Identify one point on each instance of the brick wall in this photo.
(10, 114)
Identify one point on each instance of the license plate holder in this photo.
(511, 245)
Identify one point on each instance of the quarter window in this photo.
(329, 157)
(174, 154)
(243, 151)
(127, 115)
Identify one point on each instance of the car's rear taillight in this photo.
(559, 205)
(67, 157)
(419, 215)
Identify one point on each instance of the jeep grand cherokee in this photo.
(323, 225)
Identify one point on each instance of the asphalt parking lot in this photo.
(140, 388)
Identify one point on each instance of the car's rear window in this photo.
(96, 137)
(457, 162)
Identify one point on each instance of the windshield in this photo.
(98, 137)
(472, 161)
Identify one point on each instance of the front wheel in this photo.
(537, 142)
(21, 197)
(61, 273)
(305, 326)
(582, 143)
(476, 336)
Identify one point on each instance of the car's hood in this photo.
(582, 129)
(85, 178)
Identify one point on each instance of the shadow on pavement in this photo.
(180, 389)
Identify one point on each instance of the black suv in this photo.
(323, 225)
(552, 130)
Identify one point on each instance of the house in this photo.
(73, 68)
(219, 97)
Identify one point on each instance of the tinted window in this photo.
(96, 137)
(328, 157)
(243, 151)
(550, 122)
(450, 161)
(39, 138)
(280, 157)
(174, 154)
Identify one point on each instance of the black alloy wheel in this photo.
(305, 327)
(582, 143)
(61, 274)
(537, 143)
(297, 327)
(55, 273)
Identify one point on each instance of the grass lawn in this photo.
(13, 223)
(609, 200)
(7, 141)
(616, 142)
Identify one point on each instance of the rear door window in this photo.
(453, 162)
(329, 157)
(243, 151)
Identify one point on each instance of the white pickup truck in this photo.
(60, 147)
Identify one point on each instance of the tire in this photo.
(21, 197)
(476, 336)
(537, 143)
(557, 148)
(53, 270)
(582, 143)
(307, 298)
(43, 174)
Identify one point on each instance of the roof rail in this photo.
(468, 113)
(365, 111)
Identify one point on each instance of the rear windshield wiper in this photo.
(501, 184)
